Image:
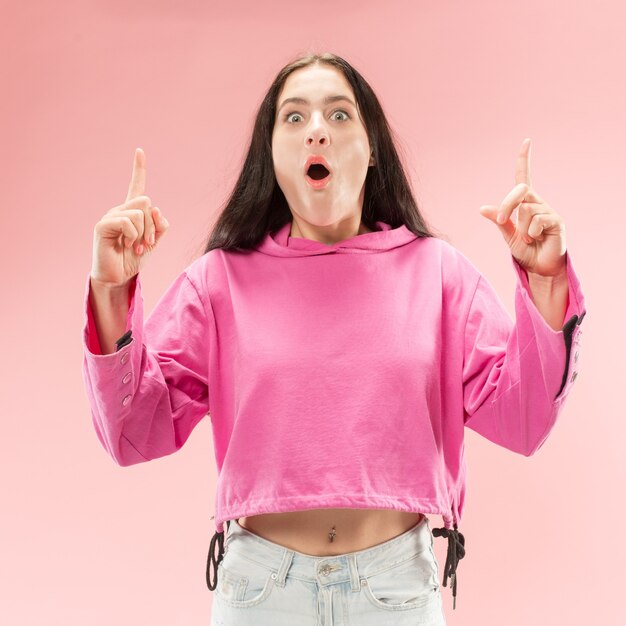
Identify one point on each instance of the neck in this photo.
(328, 235)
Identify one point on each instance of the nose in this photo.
(315, 137)
(323, 140)
(317, 133)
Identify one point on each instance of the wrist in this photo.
(558, 276)
(548, 286)
(107, 287)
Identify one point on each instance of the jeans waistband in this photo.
(330, 569)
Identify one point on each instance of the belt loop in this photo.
(285, 564)
(354, 573)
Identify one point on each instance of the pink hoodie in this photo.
(335, 375)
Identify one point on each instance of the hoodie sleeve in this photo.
(517, 375)
(148, 396)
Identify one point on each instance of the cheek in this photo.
(278, 159)
(282, 170)
(358, 149)
(282, 155)
(356, 158)
(285, 169)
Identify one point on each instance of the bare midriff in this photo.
(309, 531)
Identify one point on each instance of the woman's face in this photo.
(330, 129)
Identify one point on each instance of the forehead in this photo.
(315, 81)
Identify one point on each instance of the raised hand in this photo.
(127, 232)
(536, 238)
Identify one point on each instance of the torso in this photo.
(308, 531)
(354, 529)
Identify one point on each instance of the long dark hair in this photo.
(257, 204)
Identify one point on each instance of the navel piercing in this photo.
(331, 534)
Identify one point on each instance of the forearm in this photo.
(549, 293)
(110, 309)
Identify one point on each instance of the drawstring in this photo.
(218, 538)
(456, 551)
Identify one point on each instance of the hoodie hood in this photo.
(280, 243)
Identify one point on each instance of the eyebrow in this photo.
(327, 100)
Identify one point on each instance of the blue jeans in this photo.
(261, 583)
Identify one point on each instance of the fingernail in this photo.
(152, 239)
(500, 218)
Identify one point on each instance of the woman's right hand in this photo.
(126, 233)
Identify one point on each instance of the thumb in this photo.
(491, 213)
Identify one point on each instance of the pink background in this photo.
(84, 541)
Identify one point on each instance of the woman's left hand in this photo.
(537, 237)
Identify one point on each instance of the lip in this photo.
(316, 158)
(317, 184)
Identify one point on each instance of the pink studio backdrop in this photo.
(84, 541)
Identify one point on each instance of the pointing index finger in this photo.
(137, 185)
(522, 168)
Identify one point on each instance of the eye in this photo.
(341, 111)
(288, 116)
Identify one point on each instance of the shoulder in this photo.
(209, 273)
(456, 268)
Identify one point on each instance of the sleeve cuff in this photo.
(554, 346)
(91, 342)
(124, 340)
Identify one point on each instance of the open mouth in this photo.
(317, 171)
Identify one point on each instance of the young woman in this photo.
(340, 349)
